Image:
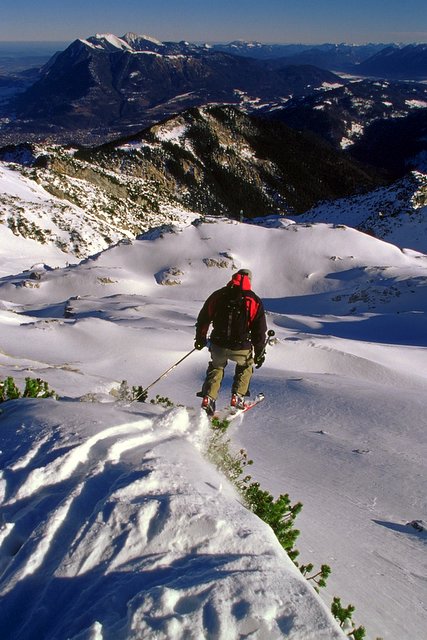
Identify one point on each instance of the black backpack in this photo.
(230, 322)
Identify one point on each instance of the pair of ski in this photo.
(230, 413)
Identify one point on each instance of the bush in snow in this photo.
(278, 514)
(37, 388)
(344, 615)
(231, 465)
(8, 390)
(318, 578)
(34, 388)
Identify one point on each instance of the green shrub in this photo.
(220, 425)
(8, 390)
(139, 394)
(318, 578)
(279, 514)
(164, 401)
(34, 388)
(344, 615)
(231, 465)
(37, 388)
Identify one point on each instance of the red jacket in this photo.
(251, 327)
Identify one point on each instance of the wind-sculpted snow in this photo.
(114, 526)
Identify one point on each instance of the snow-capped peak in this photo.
(133, 38)
(109, 41)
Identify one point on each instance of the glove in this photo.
(200, 343)
(259, 360)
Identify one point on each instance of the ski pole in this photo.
(144, 391)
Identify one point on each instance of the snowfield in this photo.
(113, 523)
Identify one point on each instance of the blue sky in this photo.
(308, 21)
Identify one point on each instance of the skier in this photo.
(238, 334)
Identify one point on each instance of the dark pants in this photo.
(215, 372)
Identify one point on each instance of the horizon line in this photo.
(224, 42)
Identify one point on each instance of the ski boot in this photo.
(208, 405)
(237, 401)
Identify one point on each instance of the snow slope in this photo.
(113, 508)
(56, 228)
(396, 213)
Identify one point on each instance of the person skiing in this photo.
(238, 334)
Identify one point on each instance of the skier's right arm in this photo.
(204, 320)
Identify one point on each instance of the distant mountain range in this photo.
(337, 57)
(342, 57)
(407, 63)
(389, 61)
(104, 86)
(107, 85)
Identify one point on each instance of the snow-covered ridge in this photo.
(397, 213)
(80, 208)
(164, 175)
(107, 41)
(133, 37)
(134, 43)
(351, 110)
